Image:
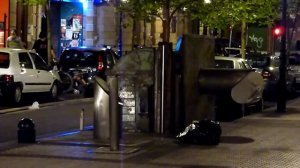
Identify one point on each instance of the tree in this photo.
(46, 7)
(229, 13)
(293, 18)
(149, 9)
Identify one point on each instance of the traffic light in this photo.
(278, 31)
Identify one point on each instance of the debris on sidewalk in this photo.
(35, 105)
(204, 132)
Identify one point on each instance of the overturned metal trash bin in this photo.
(244, 86)
(234, 89)
(101, 114)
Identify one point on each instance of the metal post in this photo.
(281, 96)
(5, 17)
(162, 84)
(114, 113)
(81, 121)
(230, 36)
(162, 90)
(157, 92)
(243, 106)
(120, 38)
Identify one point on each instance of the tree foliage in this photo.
(228, 13)
(223, 13)
(149, 9)
(34, 2)
(217, 14)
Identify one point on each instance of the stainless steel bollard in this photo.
(81, 120)
(114, 113)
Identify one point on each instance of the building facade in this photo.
(97, 23)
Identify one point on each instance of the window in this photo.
(242, 65)
(39, 62)
(224, 64)
(294, 59)
(246, 64)
(259, 62)
(109, 59)
(233, 52)
(4, 60)
(25, 61)
(91, 58)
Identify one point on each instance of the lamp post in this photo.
(120, 37)
(120, 40)
(281, 96)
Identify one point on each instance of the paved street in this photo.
(267, 139)
(49, 118)
(30, 98)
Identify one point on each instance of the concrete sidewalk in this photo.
(260, 140)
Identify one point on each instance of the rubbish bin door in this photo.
(249, 89)
(101, 113)
(217, 81)
(245, 86)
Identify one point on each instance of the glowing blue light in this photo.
(84, 4)
(178, 44)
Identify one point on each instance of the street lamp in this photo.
(120, 38)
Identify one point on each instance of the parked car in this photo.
(24, 71)
(294, 64)
(84, 63)
(268, 66)
(225, 101)
(231, 63)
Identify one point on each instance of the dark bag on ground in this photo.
(205, 132)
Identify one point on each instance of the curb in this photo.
(44, 105)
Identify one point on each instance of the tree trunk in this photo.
(243, 39)
(48, 33)
(133, 37)
(166, 22)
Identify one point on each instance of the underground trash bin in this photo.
(26, 132)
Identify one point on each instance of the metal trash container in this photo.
(101, 113)
(26, 132)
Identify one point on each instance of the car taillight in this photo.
(100, 63)
(266, 74)
(7, 78)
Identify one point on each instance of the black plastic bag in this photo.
(205, 132)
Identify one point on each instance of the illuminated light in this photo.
(278, 31)
(207, 1)
(266, 75)
(7, 78)
(178, 44)
(84, 4)
(69, 133)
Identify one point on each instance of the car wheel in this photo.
(292, 90)
(54, 91)
(66, 81)
(16, 95)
